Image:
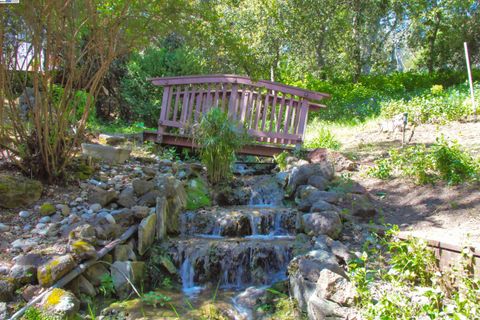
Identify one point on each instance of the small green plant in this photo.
(323, 138)
(219, 138)
(381, 170)
(33, 313)
(106, 285)
(167, 283)
(155, 299)
(281, 160)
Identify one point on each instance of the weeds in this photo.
(399, 279)
(322, 138)
(444, 161)
(106, 285)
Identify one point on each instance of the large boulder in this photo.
(300, 175)
(7, 290)
(334, 287)
(169, 204)
(142, 186)
(308, 195)
(60, 303)
(95, 273)
(127, 198)
(54, 269)
(17, 191)
(326, 222)
(106, 153)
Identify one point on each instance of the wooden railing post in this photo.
(163, 113)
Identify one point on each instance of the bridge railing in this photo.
(271, 112)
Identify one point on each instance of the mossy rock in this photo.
(47, 209)
(54, 269)
(197, 194)
(82, 249)
(60, 303)
(17, 191)
(83, 171)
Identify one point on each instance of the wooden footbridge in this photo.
(274, 114)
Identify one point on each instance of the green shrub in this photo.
(322, 138)
(281, 160)
(453, 164)
(219, 138)
(197, 194)
(444, 161)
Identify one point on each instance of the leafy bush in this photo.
(281, 160)
(400, 279)
(434, 106)
(442, 161)
(142, 98)
(322, 138)
(218, 138)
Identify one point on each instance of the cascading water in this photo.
(236, 247)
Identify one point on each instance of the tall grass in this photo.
(218, 138)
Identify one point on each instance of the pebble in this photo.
(24, 214)
(24, 243)
(95, 207)
(79, 199)
(110, 218)
(27, 227)
(40, 225)
(4, 227)
(46, 219)
(4, 270)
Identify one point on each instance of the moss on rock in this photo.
(197, 194)
(47, 209)
(17, 191)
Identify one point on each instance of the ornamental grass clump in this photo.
(219, 138)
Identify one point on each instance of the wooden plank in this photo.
(274, 135)
(224, 95)
(198, 106)
(288, 115)
(165, 100)
(265, 111)
(189, 119)
(183, 114)
(233, 101)
(215, 96)
(302, 122)
(177, 97)
(258, 106)
(206, 100)
(280, 116)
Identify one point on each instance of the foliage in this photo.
(143, 99)
(321, 138)
(33, 313)
(218, 138)
(399, 279)
(434, 106)
(106, 285)
(155, 298)
(444, 161)
(281, 160)
(82, 42)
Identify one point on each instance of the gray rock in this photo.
(334, 287)
(110, 219)
(309, 195)
(106, 153)
(146, 233)
(4, 227)
(341, 251)
(322, 205)
(326, 222)
(318, 182)
(361, 206)
(60, 303)
(7, 289)
(95, 207)
(64, 209)
(100, 196)
(17, 191)
(149, 199)
(24, 214)
(44, 220)
(142, 186)
(24, 244)
(127, 198)
(134, 270)
(3, 310)
(95, 273)
(140, 211)
(23, 274)
(124, 253)
(112, 140)
(51, 271)
(301, 175)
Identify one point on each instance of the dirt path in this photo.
(445, 213)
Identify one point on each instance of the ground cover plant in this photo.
(443, 161)
(400, 279)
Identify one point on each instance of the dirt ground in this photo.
(440, 212)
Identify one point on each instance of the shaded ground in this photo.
(446, 213)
